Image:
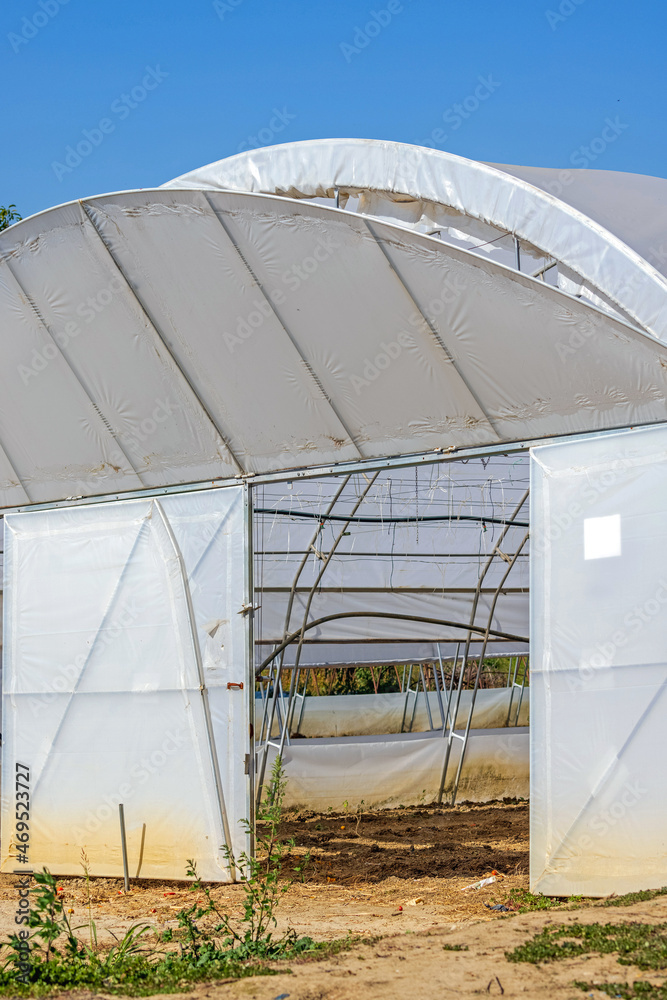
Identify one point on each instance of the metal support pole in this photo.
(249, 686)
(407, 694)
(428, 706)
(479, 665)
(437, 677)
(208, 719)
(309, 548)
(123, 844)
(496, 551)
(448, 689)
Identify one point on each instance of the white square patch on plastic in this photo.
(602, 537)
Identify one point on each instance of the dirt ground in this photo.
(395, 877)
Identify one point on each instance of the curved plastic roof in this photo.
(152, 338)
(433, 190)
(631, 206)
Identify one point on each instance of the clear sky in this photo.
(179, 84)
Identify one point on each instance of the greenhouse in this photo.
(336, 404)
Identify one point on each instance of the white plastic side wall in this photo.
(103, 672)
(599, 664)
(402, 770)
(379, 714)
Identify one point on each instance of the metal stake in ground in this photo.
(123, 844)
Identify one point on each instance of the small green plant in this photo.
(92, 929)
(57, 956)
(359, 813)
(207, 930)
(262, 887)
(455, 947)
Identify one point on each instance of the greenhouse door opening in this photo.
(126, 681)
(392, 634)
(599, 664)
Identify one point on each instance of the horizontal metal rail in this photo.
(385, 614)
(415, 459)
(394, 519)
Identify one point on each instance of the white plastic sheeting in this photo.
(599, 664)
(162, 337)
(123, 631)
(378, 714)
(403, 770)
(417, 545)
(631, 206)
(431, 190)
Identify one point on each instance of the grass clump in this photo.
(643, 945)
(635, 943)
(523, 901)
(634, 897)
(627, 991)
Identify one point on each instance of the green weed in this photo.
(634, 897)
(627, 991)
(523, 901)
(643, 945)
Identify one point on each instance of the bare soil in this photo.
(398, 879)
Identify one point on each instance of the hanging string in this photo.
(417, 500)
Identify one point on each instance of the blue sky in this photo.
(179, 84)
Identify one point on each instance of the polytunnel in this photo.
(292, 396)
